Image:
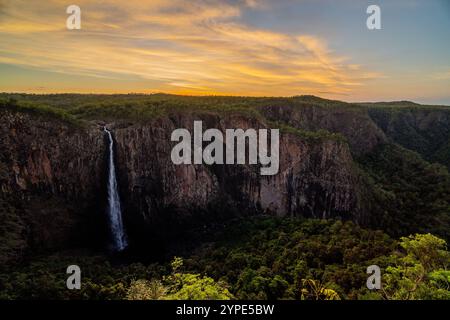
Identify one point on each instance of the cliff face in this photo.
(50, 177)
(50, 156)
(316, 177)
(354, 123)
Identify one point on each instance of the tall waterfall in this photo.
(114, 211)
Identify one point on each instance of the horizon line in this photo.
(220, 96)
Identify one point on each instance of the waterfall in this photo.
(114, 210)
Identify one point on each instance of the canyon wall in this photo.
(50, 181)
(316, 176)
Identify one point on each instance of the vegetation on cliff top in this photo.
(76, 109)
(144, 107)
(39, 110)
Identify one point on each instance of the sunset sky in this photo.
(229, 47)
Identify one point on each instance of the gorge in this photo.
(332, 165)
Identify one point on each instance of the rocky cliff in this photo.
(50, 181)
(316, 176)
(54, 173)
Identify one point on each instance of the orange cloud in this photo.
(195, 47)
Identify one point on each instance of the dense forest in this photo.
(401, 218)
(257, 258)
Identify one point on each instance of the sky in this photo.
(229, 47)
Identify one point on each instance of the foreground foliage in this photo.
(256, 258)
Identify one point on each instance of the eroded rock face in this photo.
(316, 178)
(51, 174)
(50, 156)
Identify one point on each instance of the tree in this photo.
(179, 286)
(186, 286)
(146, 290)
(195, 287)
(421, 272)
(315, 290)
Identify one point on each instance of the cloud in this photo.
(195, 47)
